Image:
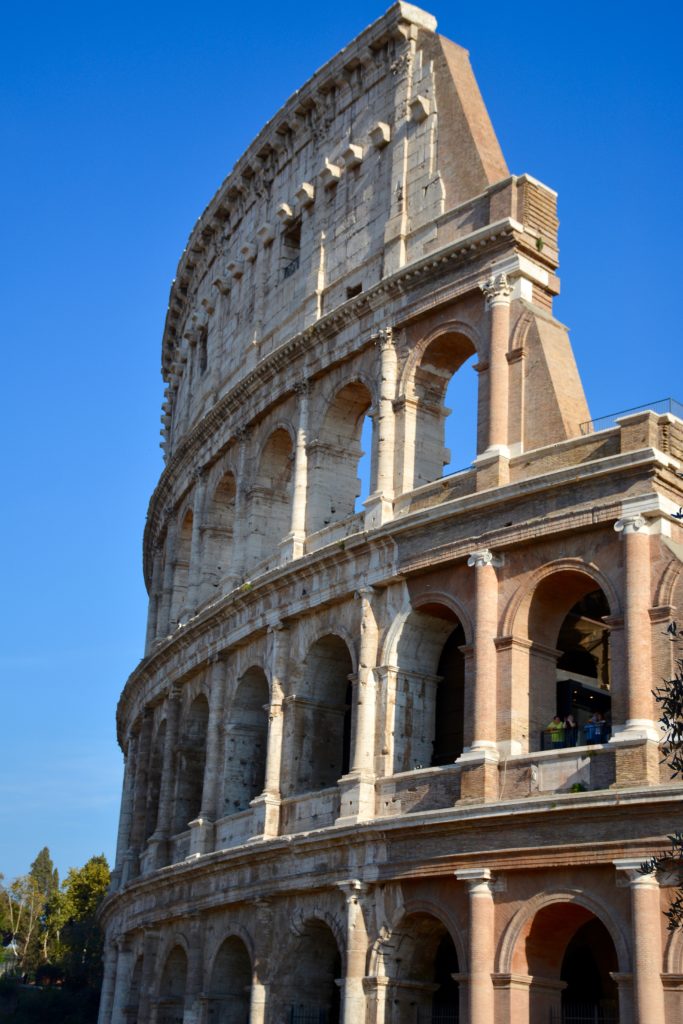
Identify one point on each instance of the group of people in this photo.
(565, 732)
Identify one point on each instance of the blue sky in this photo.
(120, 121)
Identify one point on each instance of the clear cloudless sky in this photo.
(119, 121)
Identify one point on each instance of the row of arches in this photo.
(415, 972)
(249, 510)
(563, 665)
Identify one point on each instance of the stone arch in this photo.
(181, 571)
(132, 1004)
(673, 952)
(229, 981)
(171, 985)
(246, 738)
(334, 455)
(561, 656)
(321, 719)
(665, 590)
(570, 947)
(514, 930)
(219, 529)
(190, 762)
(421, 401)
(416, 958)
(156, 762)
(311, 966)
(524, 593)
(269, 517)
(430, 683)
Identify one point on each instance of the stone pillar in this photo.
(124, 971)
(164, 824)
(202, 828)
(149, 978)
(195, 965)
(646, 941)
(137, 830)
(269, 801)
(481, 944)
(637, 626)
(241, 527)
(353, 997)
(164, 617)
(293, 545)
(109, 970)
(637, 750)
(125, 815)
(358, 787)
(154, 599)
(195, 574)
(263, 957)
(479, 780)
(498, 293)
(379, 506)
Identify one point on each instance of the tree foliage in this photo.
(669, 697)
(53, 926)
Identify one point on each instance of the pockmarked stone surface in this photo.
(393, 761)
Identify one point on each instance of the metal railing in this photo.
(310, 1015)
(585, 1013)
(664, 405)
(440, 1015)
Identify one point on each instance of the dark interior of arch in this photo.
(230, 984)
(316, 967)
(585, 666)
(450, 701)
(586, 969)
(322, 739)
(190, 760)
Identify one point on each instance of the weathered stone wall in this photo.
(343, 795)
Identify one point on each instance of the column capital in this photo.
(497, 290)
(277, 627)
(353, 889)
(385, 337)
(302, 387)
(631, 524)
(366, 593)
(630, 873)
(483, 557)
(478, 879)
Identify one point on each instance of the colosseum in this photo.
(394, 759)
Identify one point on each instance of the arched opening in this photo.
(191, 756)
(218, 536)
(420, 961)
(171, 999)
(181, 572)
(430, 712)
(314, 970)
(571, 957)
(334, 458)
(156, 762)
(322, 717)
(132, 1005)
(364, 469)
(230, 985)
(460, 425)
(270, 501)
(570, 690)
(443, 357)
(246, 740)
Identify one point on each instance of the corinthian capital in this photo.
(496, 289)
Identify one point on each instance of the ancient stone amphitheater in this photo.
(345, 797)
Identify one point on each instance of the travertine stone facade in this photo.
(342, 798)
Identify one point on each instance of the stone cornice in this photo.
(471, 825)
(242, 395)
